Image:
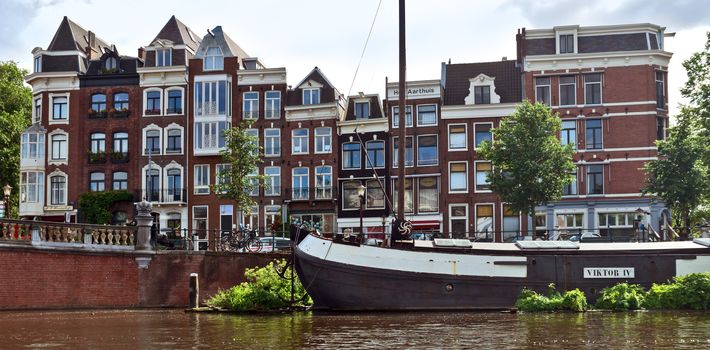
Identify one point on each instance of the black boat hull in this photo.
(341, 286)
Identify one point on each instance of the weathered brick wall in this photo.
(66, 279)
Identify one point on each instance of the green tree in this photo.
(15, 117)
(697, 91)
(237, 181)
(677, 176)
(530, 166)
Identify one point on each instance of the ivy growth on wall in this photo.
(96, 206)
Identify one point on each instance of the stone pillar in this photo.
(144, 222)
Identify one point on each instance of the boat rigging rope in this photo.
(364, 47)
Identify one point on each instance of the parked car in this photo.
(585, 235)
(376, 242)
(271, 244)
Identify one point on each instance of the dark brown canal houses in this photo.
(424, 152)
(476, 97)
(163, 125)
(363, 173)
(310, 170)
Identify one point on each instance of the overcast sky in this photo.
(330, 33)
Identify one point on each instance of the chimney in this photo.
(141, 52)
(91, 40)
(505, 58)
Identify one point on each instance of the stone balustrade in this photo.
(52, 233)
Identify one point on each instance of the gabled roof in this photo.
(218, 38)
(178, 33)
(71, 36)
(315, 74)
(376, 111)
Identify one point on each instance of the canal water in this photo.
(173, 329)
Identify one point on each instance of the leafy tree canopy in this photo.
(530, 166)
(15, 117)
(240, 178)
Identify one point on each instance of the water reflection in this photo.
(177, 330)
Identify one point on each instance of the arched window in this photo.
(98, 103)
(58, 190)
(375, 154)
(152, 185)
(152, 103)
(111, 63)
(98, 142)
(120, 180)
(120, 142)
(120, 102)
(152, 141)
(174, 141)
(174, 102)
(96, 182)
(174, 185)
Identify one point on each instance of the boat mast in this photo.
(402, 114)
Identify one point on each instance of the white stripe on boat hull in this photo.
(418, 262)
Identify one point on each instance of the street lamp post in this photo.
(361, 194)
(7, 189)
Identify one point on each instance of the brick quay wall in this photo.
(35, 278)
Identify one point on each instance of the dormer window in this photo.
(566, 43)
(311, 96)
(362, 110)
(38, 64)
(214, 59)
(111, 63)
(163, 57)
(482, 95)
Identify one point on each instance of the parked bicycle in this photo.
(239, 241)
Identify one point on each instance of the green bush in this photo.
(686, 292)
(622, 296)
(96, 206)
(263, 290)
(530, 301)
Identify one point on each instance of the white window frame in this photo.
(310, 92)
(205, 147)
(145, 102)
(198, 188)
(25, 144)
(113, 179)
(253, 111)
(174, 126)
(38, 63)
(50, 190)
(161, 52)
(574, 41)
(342, 196)
(38, 187)
(327, 191)
(270, 139)
(395, 142)
(218, 169)
(474, 133)
(270, 190)
(152, 127)
(559, 90)
(207, 217)
(601, 88)
(205, 100)
(144, 188)
(384, 155)
(493, 219)
(502, 221)
(367, 190)
(436, 114)
(342, 155)
(269, 102)
(576, 132)
(37, 109)
(52, 120)
(465, 137)
(166, 100)
(416, 149)
(320, 140)
(293, 143)
(475, 177)
(395, 120)
(465, 189)
(438, 198)
(254, 133)
(51, 158)
(293, 187)
(549, 89)
(355, 109)
(216, 60)
(465, 217)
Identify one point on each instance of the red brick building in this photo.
(609, 85)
